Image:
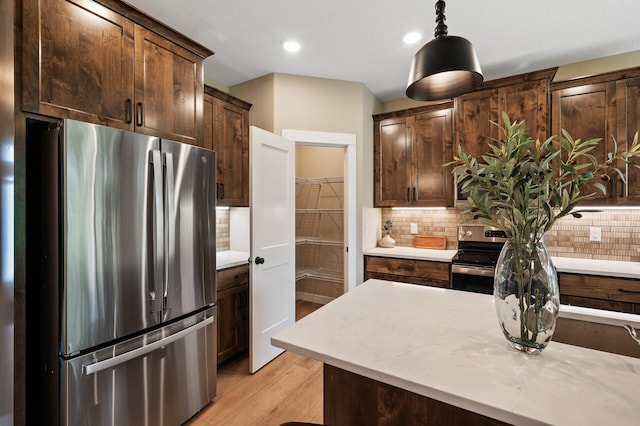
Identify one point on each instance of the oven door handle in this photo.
(470, 270)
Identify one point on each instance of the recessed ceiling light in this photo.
(291, 46)
(412, 38)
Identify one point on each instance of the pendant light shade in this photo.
(445, 67)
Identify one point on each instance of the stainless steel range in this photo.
(473, 267)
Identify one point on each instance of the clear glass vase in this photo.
(526, 295)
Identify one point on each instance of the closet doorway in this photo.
(325, 215)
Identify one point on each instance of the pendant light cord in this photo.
(441, 27)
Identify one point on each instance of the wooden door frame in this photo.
(348, 142)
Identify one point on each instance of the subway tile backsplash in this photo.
(569, 237)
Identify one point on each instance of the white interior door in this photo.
(272, 278)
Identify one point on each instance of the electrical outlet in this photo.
(595, 233)
(414, 228)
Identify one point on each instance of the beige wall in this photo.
(216, 84)
(260, 93)
(319, 161)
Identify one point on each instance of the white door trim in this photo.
(348, 142)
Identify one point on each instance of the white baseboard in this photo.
(313, 298)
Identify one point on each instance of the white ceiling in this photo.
(360, 40)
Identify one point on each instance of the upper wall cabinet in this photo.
(607, 107)
(409, 151)
(586, 112)
(628, 94)
(226, 128)
(169, 89)
(84, 61)
(523, 97)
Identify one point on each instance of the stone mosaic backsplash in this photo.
(568, 238)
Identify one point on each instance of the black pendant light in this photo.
(445, 67)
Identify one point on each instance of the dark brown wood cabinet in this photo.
(628, 124)
(85, 61)
(523, 97)
(409, 153)
(600, 292)
(411, 271)
(587, 112)
(233, 311)
(169, 89)
(226, 128)
(606, 107)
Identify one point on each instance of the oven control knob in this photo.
(469, 233)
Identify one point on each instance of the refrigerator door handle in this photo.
(158, 232)
(143, 350)
(170, 221)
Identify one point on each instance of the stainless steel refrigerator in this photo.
(121, 297)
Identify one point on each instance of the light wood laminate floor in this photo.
(289, 388)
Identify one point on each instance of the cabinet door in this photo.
(527, 101)
(474, 114)
(209, 127)
(628, 95)
(78, 62)
(587, 112)
(169, 89)
(432, 184)
(233, 325)
(231, 143)
(392, 162)
(611, 293)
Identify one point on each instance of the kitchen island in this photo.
(436, 355)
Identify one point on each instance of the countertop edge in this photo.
(568, 265)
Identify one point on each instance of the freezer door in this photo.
(111, 253)
(190, 252)
(161, 378)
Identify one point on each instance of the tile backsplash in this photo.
(569, 237)
(222, 229)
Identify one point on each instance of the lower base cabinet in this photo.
(411, 271)
(599, 292)
(233, 312)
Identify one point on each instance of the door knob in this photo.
(259, 260)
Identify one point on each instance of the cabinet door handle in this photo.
(139, 114)
(415, 193)
(624, 290)
(408, 194)
(129, 111)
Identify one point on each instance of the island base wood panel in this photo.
(354, 400)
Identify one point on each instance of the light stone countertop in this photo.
(412, 253)
(447, 345)
(611, 268)
(231, 258)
